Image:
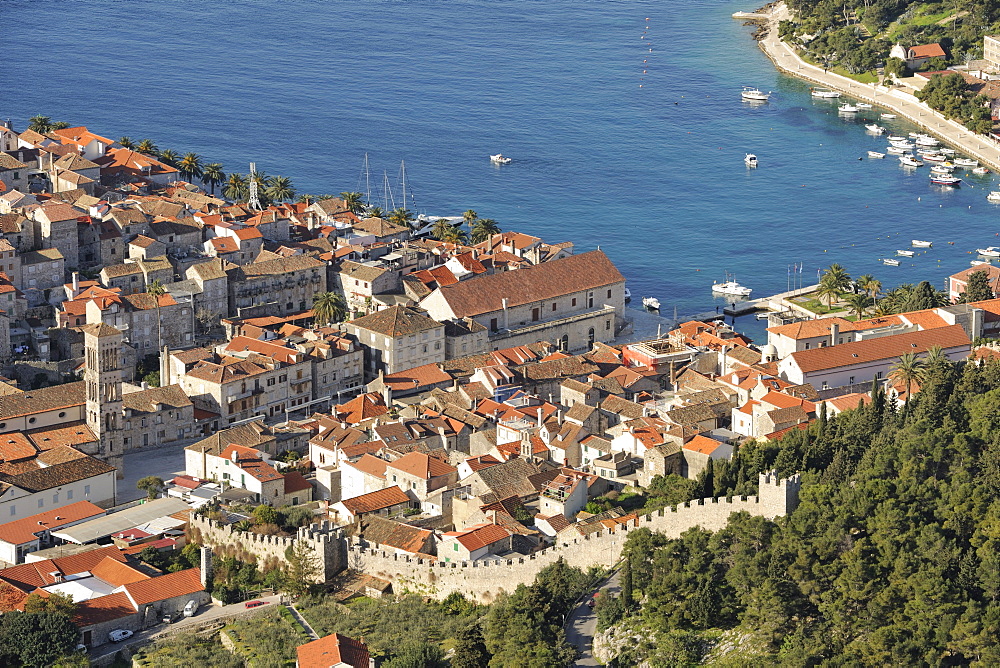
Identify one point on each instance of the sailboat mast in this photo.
(368, 185)
(402, 172)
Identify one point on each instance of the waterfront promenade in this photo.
(898, 102)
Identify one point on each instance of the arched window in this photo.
(564, 343)
(590, 338)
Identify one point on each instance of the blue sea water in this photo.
(623, 118)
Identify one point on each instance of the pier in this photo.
(752, 16)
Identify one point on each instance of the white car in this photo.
(120, 634)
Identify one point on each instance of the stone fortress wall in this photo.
(484, 580)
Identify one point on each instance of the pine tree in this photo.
(627, 596)
(978, 288)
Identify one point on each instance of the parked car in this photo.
(191, 608)
(255, 604)
(120, 634)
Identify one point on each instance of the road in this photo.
(205, 617)
(582, 625)
(785, 58)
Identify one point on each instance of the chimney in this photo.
(504, 302)
(76, 283)
(559, 416)
(145, 385)
(834, 333)
(539, 414)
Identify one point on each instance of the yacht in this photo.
(909, 161)
(875, 154)
(875, 128)
(889, 261)
(895, 138)
(917, 243)
(652, 303)
(847, 108)
(933, 157)
(902, 144)
(754, 94)
(941, 169)
(924, 140)
(750, 160)
(499, 159)
(824, 93)
(946, 180)
(905, 253)
(897, 150)
(731, 287)
(979, 263)
(989, 251)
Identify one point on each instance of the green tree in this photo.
(54, 602)
(236, 187)
(40, 124)
(169, 156)
(190, 166)
(147, 147)
(483, 228)
(60, 125)
(265, 514)
(469, 216)
(456, 235)
(441, 228)
(828, 290)
(374, 212)
(858, 305)
(627, 586)
(152, 485)
(869, 285)
(36, 638)
(354, 201)
(908, 370)
(157, 292)
(402, 217)
(417, 654)
(470, 649)
(838, 277)
(280, 189)
(302, 569)
(978, 288)
(126, 142)
(213, 175)
(328, 308)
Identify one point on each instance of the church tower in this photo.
(102, 346)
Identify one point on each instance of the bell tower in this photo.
(102, 346)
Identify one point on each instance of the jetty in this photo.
(752, 16)
(898, 102)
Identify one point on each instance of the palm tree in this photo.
(279, 189)
(40, 124)
(829, 290)
(60, 125)
(213, 175)
(190, 166)
(169, 156)
(483, 228)
(147, 147)
(908, 369)
(456, 235)
(156, 290)
(442, 226)
(838, 277)
(126, 142)
(305, 198)
(236, 187)
(402, 217)
(863, 283)
(353, 201)
(329, 307)
(935, 356)
(469, 216)
(375, 212)
(858, 304)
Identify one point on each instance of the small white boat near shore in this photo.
(909, 161)
(978, 263)
(888, 117)
(905, 253)
(847, 108)
(628, 294)
(750, 160)
(897, 150)
(903, 144)
(917, 243)
(731, 287)
(874, 128)
(862, 105)
(651, 303)
(941, 169)
(500, 159)
(754, 94)
(989, 251)
(965, 162)
(980, 171)
(824, 93)
(875, 154)
(994, 196)
(946, 180)
(891, 262)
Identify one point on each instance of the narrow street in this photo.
(581, 625)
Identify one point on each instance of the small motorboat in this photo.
(924, 140)
(994, 196)
(897, 150)
(874, 128)
(980, 171)
(750, 160)
(905, 253)
(888, 117)
(891, 262)
(978, 263)
(917, 243)
(909, 161)
(914, 135)
(989, 251)
(731, 288)
(941, 169)
(946, 151)
(499, 159)
(895, 138)
(847, 108)
(752, 94)
(946, 180)
(862, 105)
(933, 157)
(875, 154)
(652, 303)
(628, 294)
(926, 150)
(965, 162)
(903, 144)
(824, 93)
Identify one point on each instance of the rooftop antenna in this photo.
(254, 201)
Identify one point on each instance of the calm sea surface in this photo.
(646, 165)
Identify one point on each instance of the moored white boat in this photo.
(896, 138)
(499, 159)
(862, 105)
(652, 303)
(889, 261)
(750, 160)
(946, 151)
(979, 263)
(994, 196)
(754, 94)
(909, 161)
(924, 140)
(628, 294)
(875, 154)
(888, 117)
(965, 162)
(920, 244)
(941, 169)
(946, 180)
(933, 157)
(989, 251)
(902, 144)
(731, 287)
(874, 128)
(980, 171)
(847, 108)
(905, 253)
(824, 93)
(897, 150)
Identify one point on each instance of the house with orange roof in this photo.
(33, 533)
(476, 542)
(771, 412)
(388, 502)
(361, 476)
(870, 359)
(334, 651)
(916, 56)
(420, 474)
(148, 322)
(90, 146)
(957, 283)
(566, 494)
(361, 410)
(416, 380)
(122, 165)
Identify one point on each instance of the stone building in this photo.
(56, 224)
(398, 338)
(156, 417)
(275, 286)
(41, 271)
(102, 378)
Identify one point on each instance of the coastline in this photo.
(904, 105)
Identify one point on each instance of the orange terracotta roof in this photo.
(479, 536)
(116, 573)
(181, 583)
(102, 609)
(926, 51)
(371, 465)
(882, 348)
(422, 465)
(333, 650)
(377, 500)
(417, 377)
(23, 530)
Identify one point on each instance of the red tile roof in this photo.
(702, 444)
(926, 51)
(116, 573)
(23, 530)
(882, 348)
(333, 650)
(181, 583)
(479, 536)
(422, 465)
(371, 465)
(102, 609)
(377, 500)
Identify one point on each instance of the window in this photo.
(573, 303)
(553, 306)
(878, 375)
(394, 477)
(13, 511)
(455, 545)
(86, 490)
(425, 348)
(55, 498)
(807, 346)
(41, 503)
(31, 420)
(493, 324)
(607, 326)
(850, 381)
(437, 346)
(609, 294)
